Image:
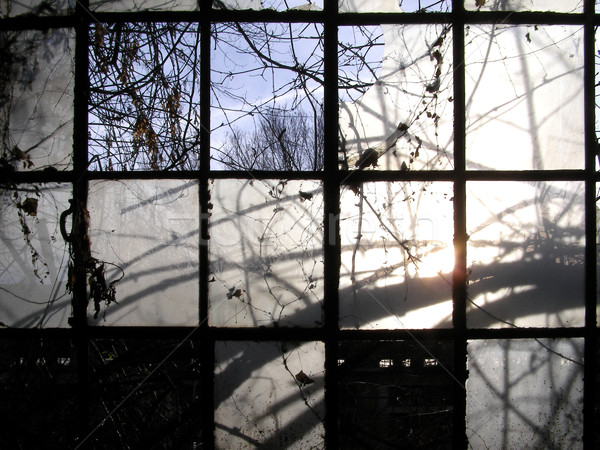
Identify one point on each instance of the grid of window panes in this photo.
(299, 224)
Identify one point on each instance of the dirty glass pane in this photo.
(395, 87)
(266, 253)
(267, 96)
(36, 99)
(525, 254)
(144, 5)
(525, 393)
(144, 235)
(395, 394)
(38, 390)
(144, 105)
(269, 395)
(159, 411)
(13, 8)
(524, 93)
(397, 255)
(33, 256)
(367, 6)
(564, 6)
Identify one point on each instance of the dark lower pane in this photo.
(395, 394)
(145, 394)
(38, 386)
(525, 393)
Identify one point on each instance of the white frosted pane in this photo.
(405, 115)
(149, 230)
(525, 394)
(397, 256)
(33, 258)
(38, 107)
(12, 8)
(527, 5)
(143, 5)
(524, 92)
(525, 252)
(266, 257)
(366, 6)
(269, 395)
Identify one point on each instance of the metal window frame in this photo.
(81, 333)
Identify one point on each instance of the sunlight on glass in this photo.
(525, 254)
(524, 88)
(397, 255)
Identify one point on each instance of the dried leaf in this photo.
(303, 379)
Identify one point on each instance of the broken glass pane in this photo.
(33, 256)
(266, 253)
(39, 393)
(145, 394)
(267, 94)
(524, 97)
(565, 6)
(395, 394)
(269, 395)
(396, 107)
(36, 99)
(525, 393)
(145, 235)
(525, 254)
(397, 255)
(144, 101)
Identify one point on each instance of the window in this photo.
(291, 224)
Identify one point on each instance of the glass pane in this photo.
(267, 96)
(396, 97)
(526, 253)
(36, 99)
(524, 87)
(397, 255)
(12, 8)
(33, 257)
(144, 5)
(525, 393)
(266, 253)
(366, 6)
(145, 394)
(564, 6)
(145, 237)
(38, 390)
(276, 5)
(269, 395)
(395, 394)
(144, 100)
